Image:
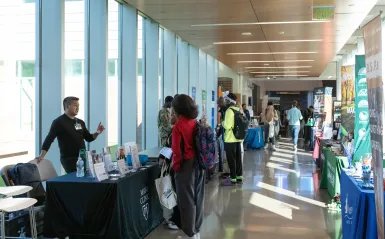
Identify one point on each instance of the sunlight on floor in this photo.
(292, 152)
(288, 156)
(281, 160)
(273, 205)
(289, 194)
(281, 167)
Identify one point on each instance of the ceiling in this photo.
(180, 16)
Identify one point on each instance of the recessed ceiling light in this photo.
(256, 23)
(278, 72)
(329, 77)
(268, 78)
(281, 33)
(273, 53)
(276, 67)
(246, 33)
(275, 61)
(277, 41)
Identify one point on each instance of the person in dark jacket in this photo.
(308, 114)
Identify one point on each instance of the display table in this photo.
(152, 153)
(255, 138)
(358, 210)
(331, 173)
(125, 208)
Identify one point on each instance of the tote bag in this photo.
(167, 196)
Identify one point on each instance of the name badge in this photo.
(78, 126)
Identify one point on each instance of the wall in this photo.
(225, 71)
(287, 85)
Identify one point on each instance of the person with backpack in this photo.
(189, 177)
(236, 126)
(164, 121)
(270, 118)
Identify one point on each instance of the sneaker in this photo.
(198, 236)
(186, 237)
(228, 182)
(295, 148)
(266, 146)
(274, 148)
(172, 226)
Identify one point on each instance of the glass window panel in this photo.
(140, 86)
(74, 51)
(17, 80)
(112, 84)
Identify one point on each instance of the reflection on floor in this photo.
(279, 199)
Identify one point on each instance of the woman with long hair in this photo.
(189, 178)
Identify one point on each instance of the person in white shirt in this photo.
(294, 117)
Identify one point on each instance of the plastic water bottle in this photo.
(80, 168)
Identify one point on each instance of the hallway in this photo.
(279, 199)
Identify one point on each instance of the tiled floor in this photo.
(279, 199)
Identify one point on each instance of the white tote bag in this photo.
(167, 196)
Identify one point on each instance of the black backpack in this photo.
(241, 125)
(27, 174)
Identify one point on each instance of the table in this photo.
(331, 173)
(152, 153)
(125, 208)
(358, 210)
(254, 138)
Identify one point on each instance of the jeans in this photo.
(294, 130)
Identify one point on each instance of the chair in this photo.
(14, 190)
(9, 205)
(4, 174)
(46, 169)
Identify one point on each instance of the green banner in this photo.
(362, 143)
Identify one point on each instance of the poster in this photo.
(361, 125)
(328, 106)
(194, 93)
(373, 49)
(347, 89)
(204, 102)
(337, 114)
(319, 102)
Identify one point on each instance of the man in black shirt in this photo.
(71, 133)
(308, 114)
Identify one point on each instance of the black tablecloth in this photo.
(82, 207)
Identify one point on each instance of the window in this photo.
(17, 80)
(112, 84)
(140, 132)
(160, 68)
(74, 51)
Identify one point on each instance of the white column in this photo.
(193, 69)
(339, 80)
(210, 89)
(151, 83)
(49, 74)
(169, 63)
(183, 56)
(96, 68)
(360, 46)
(127, 71)
(202, 81)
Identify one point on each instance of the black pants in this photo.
(234, 159)
(190, 190)
(306, 132)
(69, 164)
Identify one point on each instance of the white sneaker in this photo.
(187, 237)
(295, 148)
(266, 146)
(198, 235)
(274, 148)
(172, 226)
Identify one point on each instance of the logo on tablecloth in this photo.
(348, 210)
(146, 210)
(144, 198)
